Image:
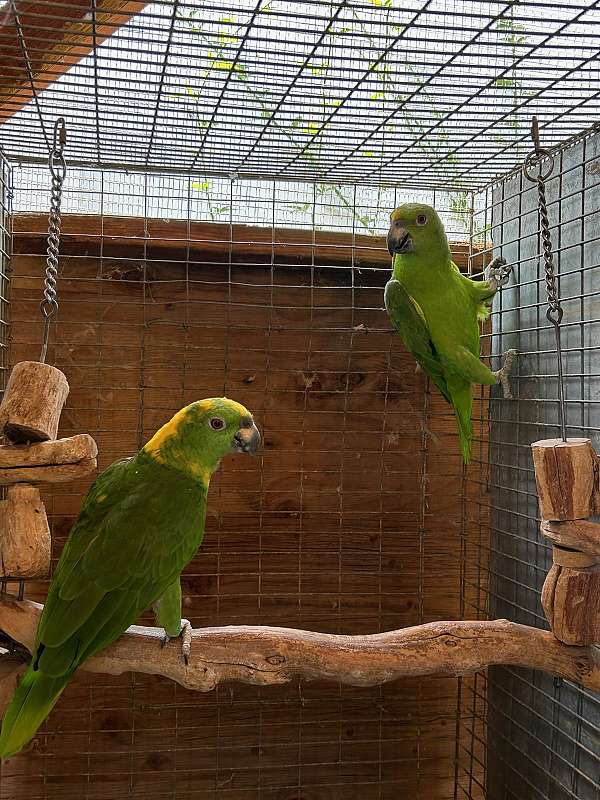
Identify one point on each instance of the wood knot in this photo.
(449, 642)
(276, 660)
(583, 668)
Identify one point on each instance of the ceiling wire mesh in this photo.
(424, 93)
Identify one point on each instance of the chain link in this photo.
(554, 313)
(58, 171)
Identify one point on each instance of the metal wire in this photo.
(58, 171)
(340, 92)
(539, 732)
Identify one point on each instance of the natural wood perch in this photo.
(48, 462)
(32, 402)
(55, 473)
(264, 656)
(566, 474)
(576, 534)
(61, 451)
(25, 543)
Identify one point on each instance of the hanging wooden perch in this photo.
(25, 544)
(30, 412)
(32, 402)
(48, 462)
(266, 656)
(568, 490)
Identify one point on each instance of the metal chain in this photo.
(58, 170)
(554, 314)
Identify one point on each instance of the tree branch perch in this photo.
(265, 655)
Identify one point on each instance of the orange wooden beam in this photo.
(57, 36)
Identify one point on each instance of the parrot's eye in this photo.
(421, 219)
(217, 424)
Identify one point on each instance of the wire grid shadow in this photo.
(542, 734)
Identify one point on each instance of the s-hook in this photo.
(554, 314)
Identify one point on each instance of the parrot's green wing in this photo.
(409, 321)
(132, 539)
(141, 523)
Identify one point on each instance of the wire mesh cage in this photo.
(232, 167)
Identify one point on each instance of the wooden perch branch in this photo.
(264, 656)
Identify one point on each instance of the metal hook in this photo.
(537, 155)
(535, 134)
(60, 135)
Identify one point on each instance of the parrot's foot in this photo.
(498, 272)
(186, 639)
(503, 373)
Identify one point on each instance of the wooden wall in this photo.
(354, 518)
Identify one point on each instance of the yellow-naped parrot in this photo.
(140, 525)
(436, 310)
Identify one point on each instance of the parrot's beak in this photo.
(247, 439)
(398, 240)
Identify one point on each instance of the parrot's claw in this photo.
(186, 639)
(498, 272)
(503, 373)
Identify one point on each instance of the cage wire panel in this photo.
(6, 196)
(542, 734)
(335, 527)
(424, 92)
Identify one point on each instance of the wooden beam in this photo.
(248, 242)
(268, 656)
(57, 36)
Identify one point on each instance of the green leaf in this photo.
(312, 129)
(320, 70)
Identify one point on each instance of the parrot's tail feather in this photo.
(465, 436)
(32, 702)
(462, 402)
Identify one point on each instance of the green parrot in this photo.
(140, 525)
(436, 310)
